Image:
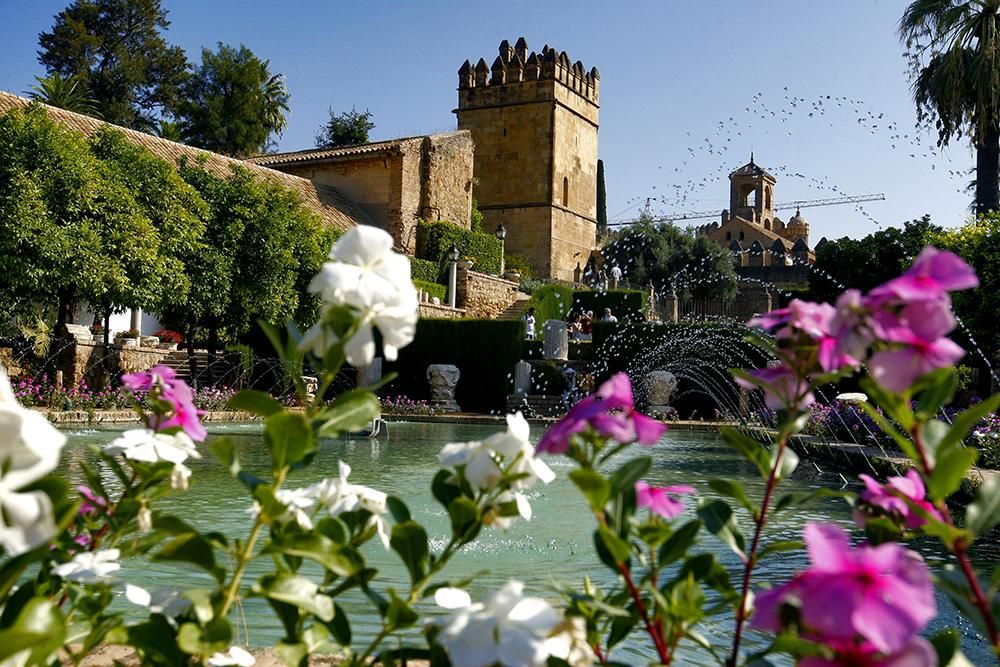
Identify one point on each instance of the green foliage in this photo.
(666, 257)
(475, 217)
(484, 350)
(232, 104)
(627, 305)
(519, 263)
(345, 129)
(551, 302)
(426, 270)
(978, 243)
(117, 50)
(436, 239)
(865, 263)
(66, 92)
(602, 199)
(432, 289)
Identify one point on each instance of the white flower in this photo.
(523, 509)
(29, 449)
(571, 643)
(374, 281)
(165, 601)
(151, 447)
(300, 503)
(235, 656)
(506, 628)
(89, 567)
(180, 477)
(481, 469)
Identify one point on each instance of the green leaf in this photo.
(297, 591)
(352, 411)
(615, 547)
(947, 645)
(777, 547)
(224, 450)
(718, 518)
(732, 489)
(409, 540)
(950, 471)
(39, 628)
(292, 654)
(751, 450)
(399, 614)
(340, 626)
(632, 471)
(289, 439)
(215, 636)
(984, 512)
(796, 499)
(400, 512)
(339, 559)
(678, 544)
(932, 434)
(191, 548)
(465, 518)
(941, 387)
(256, 402)
(897, 408)
(444, 491)
(904, 442)
(593, 485)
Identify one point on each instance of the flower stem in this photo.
(651, 629)
(960, 548)
(750, 560)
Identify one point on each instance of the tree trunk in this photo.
(988, 171)
(192, 363)
(213, 345)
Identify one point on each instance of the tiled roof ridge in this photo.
(327, 202)
(309, 154)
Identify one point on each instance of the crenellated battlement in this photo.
(516, 65)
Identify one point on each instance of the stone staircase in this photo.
(178, 360)
(516, 310)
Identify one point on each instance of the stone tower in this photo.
(533, 119)
(751, 194)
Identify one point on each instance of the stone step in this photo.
(516, 310)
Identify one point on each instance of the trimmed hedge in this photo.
(436, 238)
(485, 351)
(432, 289)
(552, 302)
(421, 269)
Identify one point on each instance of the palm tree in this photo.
(275, 101)
(168, 129)
(69, 92)
(956, 50)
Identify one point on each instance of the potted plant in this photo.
(129, 338)
(169, 340)
(97, 330)
(466, 262)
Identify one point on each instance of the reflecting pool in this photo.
(555, 546)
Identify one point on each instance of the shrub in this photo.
(484, 350)
(519, 263)
(547, 379)
(625, 304)
(436, 238)
(168, 336)
(433, 289)
(551, 302)
(422, 269)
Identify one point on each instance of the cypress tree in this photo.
(602, 200)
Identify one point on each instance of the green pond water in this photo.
(556, 546)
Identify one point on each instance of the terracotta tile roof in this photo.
(751, 169)
(388, 147)
(331, 206)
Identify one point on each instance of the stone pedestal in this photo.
(556, 342)
(443, 379)
(522, 379)
(660, 387)
(370, 374)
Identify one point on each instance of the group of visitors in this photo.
(580, 325)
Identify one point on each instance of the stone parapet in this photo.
(91, 362)
(483, 295)
(440, 311)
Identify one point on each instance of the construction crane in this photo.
(802, 203)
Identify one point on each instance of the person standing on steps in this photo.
(616, 276)
(529, 320)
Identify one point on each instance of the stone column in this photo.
(135, 321)
(556, 342)
(522, 379)
(452, 283)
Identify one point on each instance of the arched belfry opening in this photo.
(751, 193)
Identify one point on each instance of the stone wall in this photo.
(447, 161)
(89, 362)
(10, 363)
(440, 311)
(484, 296)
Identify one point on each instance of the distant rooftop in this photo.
(387, 147)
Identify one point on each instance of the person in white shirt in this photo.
(608, 316)
(529, 320)
(616, 276)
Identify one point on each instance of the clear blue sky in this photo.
(687, 88)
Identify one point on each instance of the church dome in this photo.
(797, 219)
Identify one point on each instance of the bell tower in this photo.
(533, 120)
(751, 194)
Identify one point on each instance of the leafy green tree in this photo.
(117, 50)
(668, 258)
(168, 129)
(870, 261)
(978, 243)
(955, 52)
(345, 129)
(68, 92)
(232, 104)
(67, 231)
(602, 200)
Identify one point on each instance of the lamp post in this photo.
(452, 274)
(501, 234)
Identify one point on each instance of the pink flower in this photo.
(782, 387)
(659, 500)
(611, 412)
(882, 594)
(919, 345)
(917, 653)
(177, 393)
(935, 272)
(164, 376)
(892, 498)
(92, 503)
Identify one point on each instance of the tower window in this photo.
(767, 198)
(565, 194)
(741, 236)
(729, 236)
(505, 132)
